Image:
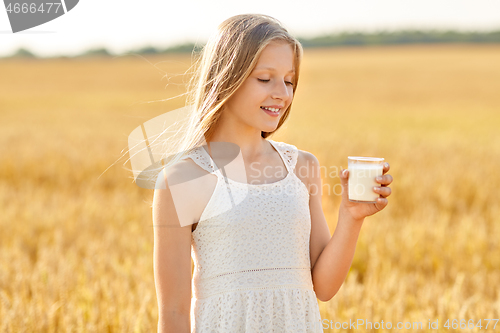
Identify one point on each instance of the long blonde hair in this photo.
(227, 59)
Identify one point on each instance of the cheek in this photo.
(251, 95)
(255, 94)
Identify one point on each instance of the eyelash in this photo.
(269, 80)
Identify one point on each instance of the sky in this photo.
(125, 25)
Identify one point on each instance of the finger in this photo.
(381, 203)
(386, 168)
(384, 180)
(344, 178)
(383, 191)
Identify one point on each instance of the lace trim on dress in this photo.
(290, 152)
(257, 269)
(202, 158)
(297, 278)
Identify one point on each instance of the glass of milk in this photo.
(362, 174)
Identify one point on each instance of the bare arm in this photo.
(335, 260)
(172, 265)
(331, 258)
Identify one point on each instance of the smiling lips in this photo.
(272, 110)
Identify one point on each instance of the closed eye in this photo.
(287, 82)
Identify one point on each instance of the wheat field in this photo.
(76, 242)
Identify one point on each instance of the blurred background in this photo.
(415, 82)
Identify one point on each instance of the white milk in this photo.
(362, 180)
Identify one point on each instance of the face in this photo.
(269, 86)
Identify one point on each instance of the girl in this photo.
(262, 250)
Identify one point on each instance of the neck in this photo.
(249, 140)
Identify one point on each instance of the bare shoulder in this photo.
(306, 156)
(181, 171)
(191, 188)
(184, 168)
(306, 167)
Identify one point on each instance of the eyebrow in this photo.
(272, 69)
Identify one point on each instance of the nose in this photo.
(281, 91)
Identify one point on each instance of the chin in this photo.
(269, 127)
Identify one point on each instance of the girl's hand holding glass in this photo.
(360, 210)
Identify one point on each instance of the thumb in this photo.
(344, 181)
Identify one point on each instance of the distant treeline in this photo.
(402, 37)
(332, 40)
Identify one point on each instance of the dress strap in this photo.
(288, 152)
(201, 157)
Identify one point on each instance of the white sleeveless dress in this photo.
(251, 253)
